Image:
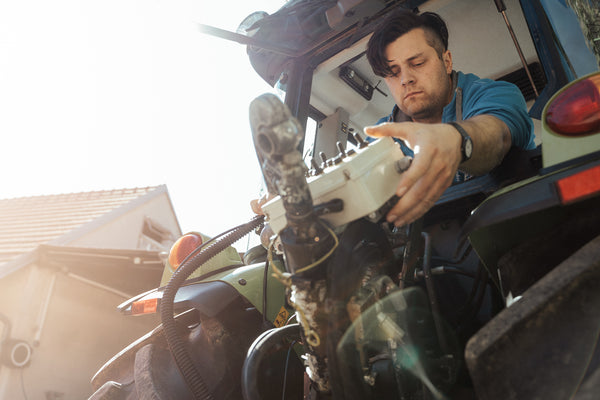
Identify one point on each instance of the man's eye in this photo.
(418, 64)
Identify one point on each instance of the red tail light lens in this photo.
(576, 111)
(182, 248)
(579, 186)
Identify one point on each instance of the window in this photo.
(154, 236)
(574, 46)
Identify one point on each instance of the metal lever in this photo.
(502, 10)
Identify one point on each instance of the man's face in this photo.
(421, 85)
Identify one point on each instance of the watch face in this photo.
(468, 148)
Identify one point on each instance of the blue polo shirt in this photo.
(485, 96)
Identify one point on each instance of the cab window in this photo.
(576, 53)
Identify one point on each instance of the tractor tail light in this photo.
(579, 186)
(182, 248)
(144, 306)
(576, 111)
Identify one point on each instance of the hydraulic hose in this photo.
(433, 301)
(257, 352)
(176, 344)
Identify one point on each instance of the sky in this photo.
(98, 95)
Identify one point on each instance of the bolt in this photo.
(242, 282)
(340, 147)
(370, 379)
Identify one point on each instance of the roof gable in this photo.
(27, 222)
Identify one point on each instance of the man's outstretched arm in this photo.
(438, 156)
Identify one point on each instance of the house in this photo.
(66, 262)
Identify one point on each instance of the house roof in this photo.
(27, 222)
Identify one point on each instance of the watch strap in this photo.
(465, 137)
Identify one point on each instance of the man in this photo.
(453, 123)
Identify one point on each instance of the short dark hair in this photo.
(396, 24)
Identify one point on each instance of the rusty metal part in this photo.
(309, 299)
(276, 134)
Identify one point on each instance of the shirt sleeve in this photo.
(504, 101)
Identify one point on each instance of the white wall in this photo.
(124, 231)
(82, 331)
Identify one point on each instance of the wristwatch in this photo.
(466, 147)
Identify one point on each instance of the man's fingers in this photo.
(431, 171)
(413, 186)
(418, 170)
(386, 129)
(257, 204)
(409, 210)
(411, 205)
(256, 207)
(418, 200)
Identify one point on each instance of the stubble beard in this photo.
(429, 112)
(431, 108)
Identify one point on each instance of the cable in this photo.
(176, 344)
(336, 242)
(429, 284)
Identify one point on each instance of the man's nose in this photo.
(406, 78)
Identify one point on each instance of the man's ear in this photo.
(447, 58)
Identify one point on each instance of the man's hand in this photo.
(437, 156)
(257, 204)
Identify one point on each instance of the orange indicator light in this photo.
(182, 248)
(148, 306)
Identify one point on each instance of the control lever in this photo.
(276, 134)
(332, 206)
